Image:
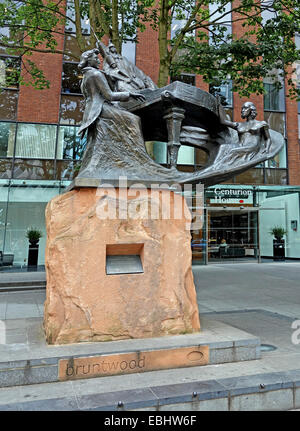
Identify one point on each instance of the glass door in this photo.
(232, 234)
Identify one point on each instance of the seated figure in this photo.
(253, 135)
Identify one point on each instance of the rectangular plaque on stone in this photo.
(134, 362)
(122, 264)
(124, 258)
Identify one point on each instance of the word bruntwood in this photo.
(104, 367)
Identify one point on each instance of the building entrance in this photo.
(232, 234)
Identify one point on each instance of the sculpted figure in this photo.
(122, 74)
(115, 143)
(253, 135)
(100, 112)
(176, 114)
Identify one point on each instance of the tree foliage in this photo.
(202, 43)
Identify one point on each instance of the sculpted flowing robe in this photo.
(96, 91)
(115, 143)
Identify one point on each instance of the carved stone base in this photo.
(116, 278)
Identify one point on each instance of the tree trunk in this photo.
(115, 25)
(163, 29)
(79, 36)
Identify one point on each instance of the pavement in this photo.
(261, 299)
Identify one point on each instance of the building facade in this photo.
(40, 154)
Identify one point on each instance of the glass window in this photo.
(67, 170)
(71, 78)
(268, 12)
(3, 207)
(179, 19)
(187, 78)
(220, 17)
(279, 161)
(8, 104)
(186, 155)
(9, 72)
(224, 91)
(27, 201)
(71, 47)
(7, 139)
(69, 145)
(128, 51)
(201, 157)
(252, 176)
(5, 170)
(71, 109)
(276, 122)
(70, 25)
(274, 98)
(297, 40)
(36, 141)
(5, 37)
(160, 152)
(33, 169)
(276, 176)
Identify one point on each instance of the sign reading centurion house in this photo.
(136, 362)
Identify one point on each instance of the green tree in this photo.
(202, 43)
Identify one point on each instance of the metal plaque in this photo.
(124, 264)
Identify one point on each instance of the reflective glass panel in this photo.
(276, 121)
(185, 77)
(7, 139)
(186, 155)
(252, 176)
(232, 234)
(276, 176)
(8, 104)
(26, 209)
(224, 91)
(67, 170)
(9, 72)
(160, 151)
(70, 23)
(279, 208)
(36, 141)
(71, 109)
(274, 98)
(71, 78)
(71, 47)
(201, 157)
(128, 50)
(3, 207)
(33, 169)
(5, 168)
(69, 145)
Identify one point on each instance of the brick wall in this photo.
(293, 139)
(42, 106)
(147, 54)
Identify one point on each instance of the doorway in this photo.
(232, 234)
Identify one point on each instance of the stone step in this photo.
(26, 359)
(22, 286)
(265, 391)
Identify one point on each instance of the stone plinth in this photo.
(86, 229)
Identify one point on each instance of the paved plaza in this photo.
(260, 299)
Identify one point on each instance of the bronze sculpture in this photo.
(178, 114)
(121, 73)
(253, 135)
